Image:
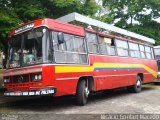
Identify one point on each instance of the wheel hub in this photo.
(138, 83)
(86, 91)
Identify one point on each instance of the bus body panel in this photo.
(108, 72)
(107, 77)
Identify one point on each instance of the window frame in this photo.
(150, 53)
(66, 51)
(122, 47)
(107, 46)
(97, 44)
(130, 49)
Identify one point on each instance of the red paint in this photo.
(68, 86)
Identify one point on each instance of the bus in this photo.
(48, 57)
(157, 55)
(1, 69)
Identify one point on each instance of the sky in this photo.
(158, 20)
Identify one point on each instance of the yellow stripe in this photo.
(69, 69)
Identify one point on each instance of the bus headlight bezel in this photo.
(6, 80)
(36, 77)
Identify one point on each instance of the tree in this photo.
(16, 12)
(128, 11)
(135, 15)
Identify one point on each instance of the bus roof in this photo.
(50, 24)
(157, 46)
(80, 18)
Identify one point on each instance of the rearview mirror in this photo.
(60, 38)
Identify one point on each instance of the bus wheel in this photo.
(137, 87)
(82, 92)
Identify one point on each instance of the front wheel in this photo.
(82, 92)
(137, 87)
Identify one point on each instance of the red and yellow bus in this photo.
(49, 57)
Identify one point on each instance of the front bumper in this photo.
(41, 92)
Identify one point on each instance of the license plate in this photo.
(30, 93)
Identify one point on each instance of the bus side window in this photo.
(134, 50)
(122, 47)
(92, 42)
(142, 51)
(111, 48)
(71, 51)
(106, 45)
(56, 43)
(152, 53)
(103, 45)
(148, 52)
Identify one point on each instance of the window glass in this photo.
(91, 38)
(79, 45)
(157, 51)
(111, 50)
(147, 49)
(142, 54)
(148, 52)
(60, 57)
(133, 46)
(92, 42)
(106, 45)
(103, 49)
(141, 47)
(83, 58)
(135, 53)
(122, 52)
(26, 48)
(148, 55)
(142, 51)
(122, 47)
(104, 40)
(69, 42)
(152, 53)
(122, 44)
(56, 46)
(72, 51)
(134, 50)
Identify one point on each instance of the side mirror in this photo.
(60, 38)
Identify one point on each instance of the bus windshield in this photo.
(26, 48)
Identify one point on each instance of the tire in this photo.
(137, 87)
(82, 93)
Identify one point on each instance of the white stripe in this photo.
(74, 78)
(114, 75)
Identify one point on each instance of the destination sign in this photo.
(23, 28)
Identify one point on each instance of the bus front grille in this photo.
(20, 79)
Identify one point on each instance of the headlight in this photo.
(36, 77)
(6, 80)
(40, 77)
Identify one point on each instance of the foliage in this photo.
(136, 16)
(123, 13)
(16, 12)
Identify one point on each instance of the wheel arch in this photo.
(141, 76)
(90, 80)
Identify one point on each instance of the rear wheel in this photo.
(82, 92)
(137, 87)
